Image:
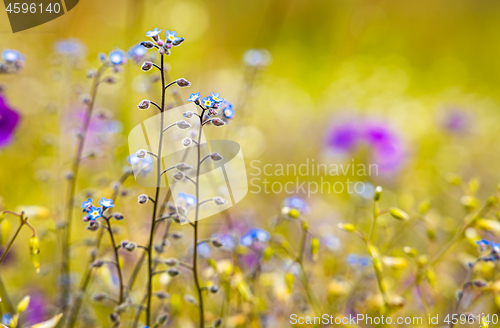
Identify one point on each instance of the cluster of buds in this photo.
(163, 46)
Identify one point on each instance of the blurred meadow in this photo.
(410, 86)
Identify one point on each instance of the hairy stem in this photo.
(195, 237)
(115, 249)
(157, 194)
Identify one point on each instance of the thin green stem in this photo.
(65, 268)
(303, 276)
(11, 242)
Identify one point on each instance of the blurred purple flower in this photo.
(456, 121)
(343, 137)
(8, 122)
(102, 130)
(36, 311)
(250, 260)
(387, 149)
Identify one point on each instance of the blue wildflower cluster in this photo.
(163, 46)
(93, 212)
(214, 103)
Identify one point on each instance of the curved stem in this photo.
(12, 240)
(65, 267)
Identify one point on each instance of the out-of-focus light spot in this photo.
(190, 18)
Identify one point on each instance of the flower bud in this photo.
(98, 297)
(171, 261)
(293, 213)
(218, 122)
(177, 235)
(117, 216)
(182, 210)
(94, 225)
(91, 73)
(183, 83)
(216, 242)
(97, 264)
(188, 114)
(146, 66)
(186, 142)
(479, 283)
(147, 44)
(161, 319)
(183, 125)
(190, 299)
(179, 175)
(162, 295)
(131, 246)
(172, 272)
(115, 317)
(23, 305)
(183, 167)
(142, 199)
(110, 80)
(410, 251)
(213, 289)
(398, 214)
(469, 202)
(215, 156)
(219, 200)
(34, 247)
(217, 323)
(347, 227)
(378, 193)
(315, 246)
(144, 105)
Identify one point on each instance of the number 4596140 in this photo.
(33, 8)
